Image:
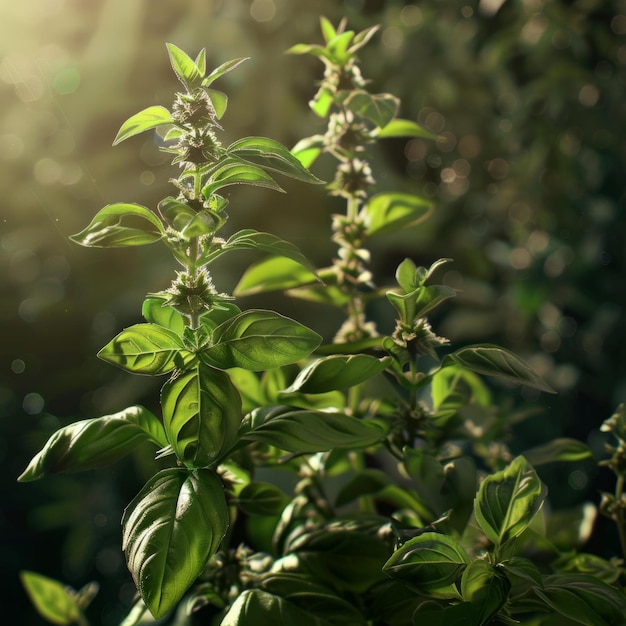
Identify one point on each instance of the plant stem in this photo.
(619, 515)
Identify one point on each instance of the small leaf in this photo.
(273, 274)
(259, 340)
(258, 498)
(379, 109)
(121, 225)
(328, 30)
(53, 600)
(271, 155)
(170, 530)
(96, 442)
(404, 128)
(146, 349)
(430, 562)
(337, 47)
(307, 150)
(303, 431)
(147, 119)
(238, 174)
(561, 449)
(223, 69)
(495, 361)
(508, 500)
(219, 100)
(186, 221)
(486, 587)
(361, 38)
(201, 414)
(390, 212)
(184, 67)
(336, 372)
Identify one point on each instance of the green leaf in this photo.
(361, 38)
(155, 310)
(495, 361)
(258, 498)
(379, 109)
(307, 150)
(431, 563)
(146, 349)
(328, 30)
(390, 212)
(271, 155)
(273, 274)
(120, 225)
(219, 100)
(508, 500)
(259, 340)
(184, 67)
(337, 47)
(337, 372)
(433, 614)
(223, 69)
(404, 128)
(561, 449)
(238, 174)
(306, 431)
(417, 303)
(188, 222)
(201, 414)
(170, 530)
(486, 587)
(96, 442)
(147, 119)
(53, 600)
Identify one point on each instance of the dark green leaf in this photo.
(486, 587)
(259, 340)
(201, 414)
(96, 442)
(508, 500)
(431, 563)
(336, 372)
(404, 128)
(389, 212)
(146, 349)
(433, 614)
(302, 431)
(120, 225)
(184, 67)
(53, 600)
(562, 449)
(258, 498)
(147, 119)
(170, 530)
(271, 155)
(223, 69)
(495, 361)
(273, 274)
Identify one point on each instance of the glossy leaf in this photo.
(403, 128)
(561, 449)
(491, 360)
(508, 500)
(147, 119)
(120, 225)
(259, 340)
(302, 431)
(486, 587)
(430, 562)
(146, 349)
(201, 414)
(258, 498)
(390, 212)
(337, 372)
(223, 69)
(237, 174)
(92, 443)
(271, 155)
(53, 600)
(184, 67)
(273, 274)
(170, 530)
(379, 109)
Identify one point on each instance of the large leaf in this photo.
(238, 174)
(53, 600)
(486, 587)
(508, 500)
(271, 155)
(495, 361)
(259, 340)
(273, 274)
(201, 414)
(430, 562)
(146, 349)
(170, 530)
(304, 431)
(390, 212)
(92, 443)
(336, 372)
(146, 119)
(120, 225)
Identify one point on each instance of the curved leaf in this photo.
(170, 530)
(53, 600)
(223, 69)
(147, 119)
(379, 109)
(237, 174)
(259, 340)
(273, 274)
(120, 225)
(201, 414)
(96, 442)
(156, 310)
(184, 67)
(389, 212)
(146, 349)
(404, 128)
(258, 498)
(486, 587)
(560, 449)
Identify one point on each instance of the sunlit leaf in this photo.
(223, 69)
(53, 600)
(219, 100)
(156, 311)
(404, 128)
(147, 119)
(239, 174)
(170, 529)
(389, 212)
(560, 449)
(273, 274)
(184, 67)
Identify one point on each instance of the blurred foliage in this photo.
(527, 96)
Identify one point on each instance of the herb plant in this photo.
(360, 481)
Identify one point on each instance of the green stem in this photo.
(619, 516)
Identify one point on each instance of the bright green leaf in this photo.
(147, 119)
(561, 449)
(273, 274)
(389, 212)
(96, 442)
(238, 174)
(170, 530)
(53, 600)
(184, 67)
(155, 310)
(120, 225)
(223, 69)
(220, 102)
(403, 128)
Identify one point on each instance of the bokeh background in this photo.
(527, 180)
